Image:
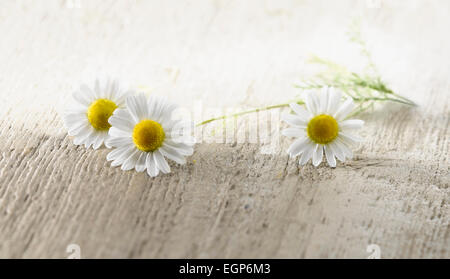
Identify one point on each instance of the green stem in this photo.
(408, 101)
(246, 112)
(359, 100)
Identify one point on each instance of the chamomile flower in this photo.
(144, 134)
(87, 119)
(322, 128)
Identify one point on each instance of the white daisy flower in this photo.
(322, 127)
(144, 135)
(87, 119)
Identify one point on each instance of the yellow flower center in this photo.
(99, 112)
(322, 129)
(148, 135)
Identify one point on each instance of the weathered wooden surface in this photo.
(230, 200)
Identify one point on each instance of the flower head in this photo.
(144, 134)
(87, 118)
(322, 128)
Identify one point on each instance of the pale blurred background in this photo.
(229, 200)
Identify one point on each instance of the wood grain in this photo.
(231, 200)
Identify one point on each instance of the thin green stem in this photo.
(356, 99)
(383, 92)
(408, 101)
(246, 112)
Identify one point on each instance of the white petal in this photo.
(337, 151)
(133, 108)
(82, 98)
(82, 135)
(298, 146)
(310, 102)
(345, 149)
(168, 110)
(121, 124)
(123, 156)
(345, 109)
(330, 157)
(161, 163)
(293, 120)
(350, 138)
(293, 132)
(121, 96)
(333, 101)
(141, 101)
(114, 89)
(140, 164)
(75, 129)
(181, 139)
(159, 108)
(130, 162)
(107, 90)
(117, 133)
(105, 138)
(87, 92)
(137, 106)
(323, 100)
(181, 148)
(105, 142)
(117, 152)
(318, 155)
(351, 124)
(152, 170)
(303, 114)
(98, 140)
(90, 139)
(152, 106)
(119, 141)
(307, 154)
(172, 154)
(123, 114)
(74, 118)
